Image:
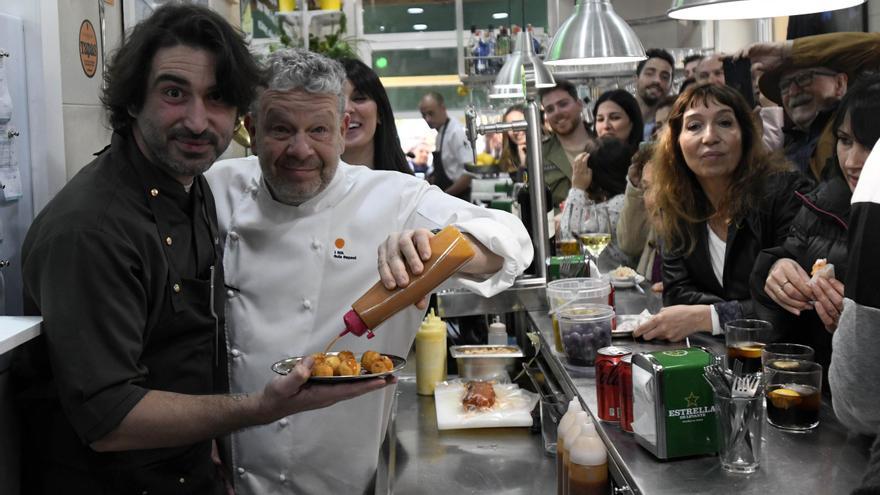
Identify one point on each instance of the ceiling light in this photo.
(594, 34)
(499, 15)
(415, 10)
(752, 9)
(420, 27)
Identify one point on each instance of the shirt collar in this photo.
(154, 179)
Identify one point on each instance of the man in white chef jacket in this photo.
(302, 232)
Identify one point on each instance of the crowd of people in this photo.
(168, 283)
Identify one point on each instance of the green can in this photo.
(572, 266)
(673, 406)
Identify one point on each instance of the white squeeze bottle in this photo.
(581, 421)
(567, 419)
(588, 470)
(497, 333)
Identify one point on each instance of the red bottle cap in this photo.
(354, 324)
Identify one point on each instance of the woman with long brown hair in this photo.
(721, 199)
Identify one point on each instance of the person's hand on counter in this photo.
(674, 323)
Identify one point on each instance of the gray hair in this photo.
(300, 69)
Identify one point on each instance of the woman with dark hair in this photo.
(513, 145)
(721, 199)
(598, 178)
(371, 139)
(808, 308)
(617, 114)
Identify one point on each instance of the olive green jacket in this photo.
(557, 169)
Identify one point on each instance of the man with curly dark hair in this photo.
(126, 387)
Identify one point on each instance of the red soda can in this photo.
(625, 383)
(607, 381)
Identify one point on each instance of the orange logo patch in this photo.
(339, 243)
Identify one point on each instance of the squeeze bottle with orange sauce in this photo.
(450, 249)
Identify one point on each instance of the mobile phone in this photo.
(738, 75)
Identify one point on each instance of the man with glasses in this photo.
(808, 77)
(563, 111)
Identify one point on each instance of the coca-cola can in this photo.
(607, 381)
(625, 384)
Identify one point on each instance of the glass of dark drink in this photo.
(745, 341)
(794, 393)
(780, 351)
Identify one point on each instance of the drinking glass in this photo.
(785, 352)
(794, 394)
(597, 232)
(739, 420)
(745, 341)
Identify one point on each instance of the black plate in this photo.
(284, 366)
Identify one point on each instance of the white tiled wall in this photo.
(873, 15)
(85, 126)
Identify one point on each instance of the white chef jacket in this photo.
(292, 272)
(456, 150)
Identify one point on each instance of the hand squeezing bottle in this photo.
(450, 249)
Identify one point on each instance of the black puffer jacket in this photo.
(691, 280)
(818, 231)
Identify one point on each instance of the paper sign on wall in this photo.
(10, 176)
(88, 48)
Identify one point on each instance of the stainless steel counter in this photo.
(488, 460)
(825, 461)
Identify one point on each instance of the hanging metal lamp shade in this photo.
(711, 10)
(593, 35)
(520, 65)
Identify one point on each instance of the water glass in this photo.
(550, 409)
(739, 420)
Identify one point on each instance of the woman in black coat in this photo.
(808, 310)
(721, 200)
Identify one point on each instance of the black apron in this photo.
(440, 179)
(200, 356)
(194, 364)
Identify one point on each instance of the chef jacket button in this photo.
(282, 422)
(182, 481)
(282, 478)
(233, 235)
(316, 244)
(307, 304)
(230, 293)
(235, 353)
(153, 192)
(176, 288)
(241, 471)
(168, 240)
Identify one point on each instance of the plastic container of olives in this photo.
(584, 329)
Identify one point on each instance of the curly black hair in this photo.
(125, 80)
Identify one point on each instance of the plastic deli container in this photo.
(567, 291)
(584, 329)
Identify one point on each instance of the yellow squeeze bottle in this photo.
(430, 354)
